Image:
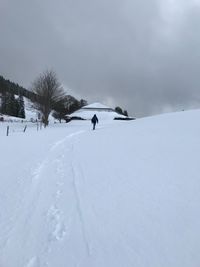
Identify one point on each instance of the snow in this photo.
(102, 115)
(96, 105)
(126, 194)
(103, 112)
(31, 115)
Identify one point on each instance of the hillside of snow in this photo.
(31, 115)
(124, 195)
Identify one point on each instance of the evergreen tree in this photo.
(3, 103)
(11, 105)
(21, 110)
(83, 103)
(119, 110)
(126, 113)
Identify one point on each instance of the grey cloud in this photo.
(121, 52)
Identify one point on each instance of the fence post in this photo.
(7, 132)
(25, 128)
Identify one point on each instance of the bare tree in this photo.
(49, 92)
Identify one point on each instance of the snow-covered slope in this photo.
(31, 114)
(124, 195)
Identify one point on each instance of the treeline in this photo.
(8, 87)
(10, 105)
(12, 101)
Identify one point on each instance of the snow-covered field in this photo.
(124, 195)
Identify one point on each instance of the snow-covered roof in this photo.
(103, 112)
(96, 105)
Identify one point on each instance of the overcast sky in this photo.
(141, 55)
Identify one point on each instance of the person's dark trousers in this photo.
(94, 124)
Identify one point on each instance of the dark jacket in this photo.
(94, 119)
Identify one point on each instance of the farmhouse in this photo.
(102, 111)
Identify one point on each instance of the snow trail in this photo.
(30, 213)
(80, 209)
(62, 141)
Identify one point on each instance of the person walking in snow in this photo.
(94, 121)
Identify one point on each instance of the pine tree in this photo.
(21, 110)
(126, 113)
(11, 105)
(83, 103)
(3, 103)
(119, 110)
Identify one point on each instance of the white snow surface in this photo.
(96, 105)
(124, 195)
(30, 112)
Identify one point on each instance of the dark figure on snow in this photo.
(94, 120)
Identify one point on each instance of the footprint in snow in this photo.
(58, 228)
(33, 262)
(60, 231)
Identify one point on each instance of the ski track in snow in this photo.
(55, 217)
(60, 142)
(79, 208)
(58, 227)
(57, 224)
